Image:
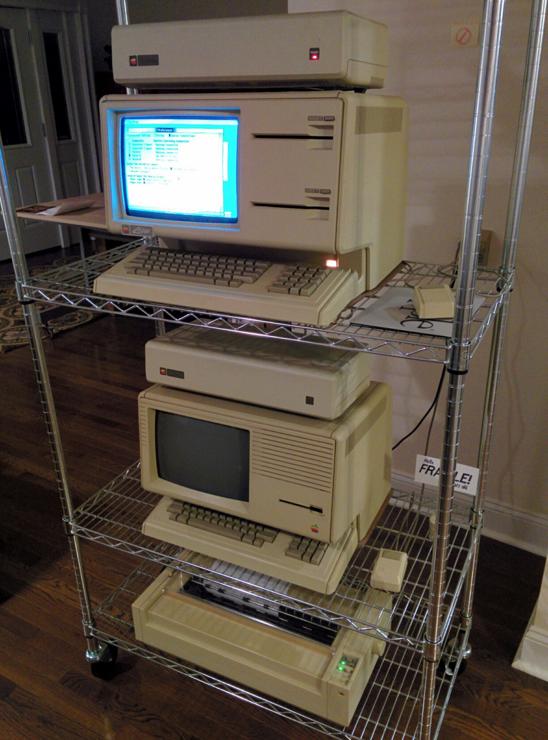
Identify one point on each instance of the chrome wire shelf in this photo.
(113, 517)
(71, 285)
(389, 707)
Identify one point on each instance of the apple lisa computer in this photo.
(280, 204)
(300, 440)
(285, 494)
(266, 183)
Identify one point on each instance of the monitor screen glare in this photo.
(181, 168)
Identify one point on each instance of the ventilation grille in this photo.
(294, 459)
(142, 419)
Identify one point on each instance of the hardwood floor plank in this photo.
(23, 715)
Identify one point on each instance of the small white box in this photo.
(436, 302)
(389, 570)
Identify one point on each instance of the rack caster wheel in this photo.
(104, 665)
(447, 665)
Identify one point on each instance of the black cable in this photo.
(433, 405)
(435, 408)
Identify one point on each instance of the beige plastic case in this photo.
(302, 378)
(336, 49)
(389, 570)
(307, 476)
(270, 558)
(319, 172)
(434, 302)
(325, 680)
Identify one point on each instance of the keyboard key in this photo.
(175, 276)
(234, 534)
(269, 534)
(316, 559)
(175, 507)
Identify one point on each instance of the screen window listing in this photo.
(181, 168)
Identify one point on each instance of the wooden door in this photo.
(23, 131)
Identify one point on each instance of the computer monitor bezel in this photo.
(113, 151)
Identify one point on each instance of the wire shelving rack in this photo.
(431, 617)
(113, 517)
(70, 285)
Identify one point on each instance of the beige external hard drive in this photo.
(290, 376)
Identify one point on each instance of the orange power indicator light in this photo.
(331, 263)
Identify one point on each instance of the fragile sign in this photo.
(427, 471)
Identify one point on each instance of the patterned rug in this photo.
(55, 319)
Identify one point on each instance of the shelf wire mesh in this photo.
(71, 285)
(390, 705)
(114, 516)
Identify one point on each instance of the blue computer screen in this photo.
(180, 168)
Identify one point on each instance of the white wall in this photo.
(438, 82)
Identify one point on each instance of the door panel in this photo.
(22, 126)
(58, 85)
(71, 177)
(26, 184)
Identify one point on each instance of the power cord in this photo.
(433, 406)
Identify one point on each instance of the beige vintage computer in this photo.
(256, 194)
(271, 455)
(285, 494)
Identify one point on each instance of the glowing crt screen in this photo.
(180, 168)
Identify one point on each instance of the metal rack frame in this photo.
(114, 515)
(406, 697)
(69, 285)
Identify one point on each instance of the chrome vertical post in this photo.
(33, 325)
(511, 233)
(459, 355)
(122, 13)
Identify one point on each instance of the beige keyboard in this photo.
(243, 530)
(302, 561)
(295, 292)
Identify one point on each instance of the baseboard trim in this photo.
(532, 655)
(516, 527)
(503, 522)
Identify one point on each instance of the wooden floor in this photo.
(46, 689)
